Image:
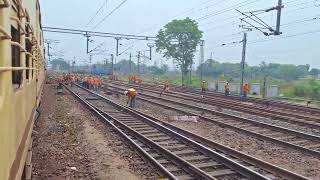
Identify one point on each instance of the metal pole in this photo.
(150, 52)
(244, 42)
(138, 63)
(88, 40)
(48, 44)
(112, 65)
(264, 87)
(117, 53)
(202, 58)
(130, 63)
(279, 8)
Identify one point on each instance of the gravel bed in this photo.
(297, 127)
(290, 159)
(70, 143)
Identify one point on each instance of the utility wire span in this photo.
(101, 7)
(230, 8)
(285, 37)
(97, 35)
(108, 15)
(95, 32)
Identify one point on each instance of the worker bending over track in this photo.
(204, 88)
(132, 96)
(165, 88)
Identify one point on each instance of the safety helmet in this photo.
(125, 92)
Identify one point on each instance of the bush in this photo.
(305, 89)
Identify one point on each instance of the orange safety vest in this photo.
(132, 92)
(245, 88)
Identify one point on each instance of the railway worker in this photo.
(96, 83)
(132, 95)
(89, 82)
(84, 81)
(226, 89)
(72, 80)
(245, 90)
(165, 88)
(204, 88)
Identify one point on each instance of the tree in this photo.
(178, 40)
(314, 72)
(59, 64)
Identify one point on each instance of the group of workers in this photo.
(91, 82)
(245, 90)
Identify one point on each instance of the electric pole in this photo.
(139, 62)
(244, 47)
(150, 49)
(279, 9)
(88, 40)
(112, 65)
(130, 63)
(201, 58)
(48, 46)
(117, 53)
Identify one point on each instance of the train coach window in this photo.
(28, 58)
(15, 58)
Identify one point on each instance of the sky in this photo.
(218, 19)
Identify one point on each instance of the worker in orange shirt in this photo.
(226, 89)
(204, 88)
(132, 97)
(72, 80)
(245, 90)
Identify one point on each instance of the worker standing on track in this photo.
(245, 90)
(204, 88)
(72, 80)
(165, 88)
(226, 89)
(132, 96)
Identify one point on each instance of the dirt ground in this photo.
(69, 143)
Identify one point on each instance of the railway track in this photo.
(304, 142)
(176, 155)
(278, 105)
(261, 110)
(312, 125)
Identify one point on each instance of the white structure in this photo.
(235, 88)
(221, 86)
(212, 85)
(255, 88)
(272, 91)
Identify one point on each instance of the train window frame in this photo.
(17, 75)
(28, 47)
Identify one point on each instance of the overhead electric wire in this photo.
(108, 15)
(230, 8)
(101, 7)
(97, 35)
(96, 32)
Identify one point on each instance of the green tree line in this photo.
(275, 71)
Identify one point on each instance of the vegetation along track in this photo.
(288, 115)
(304, 142)
(176, 155)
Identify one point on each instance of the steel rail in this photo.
(222, 159)
(224, 102)
(214, 145)
(298, 134)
